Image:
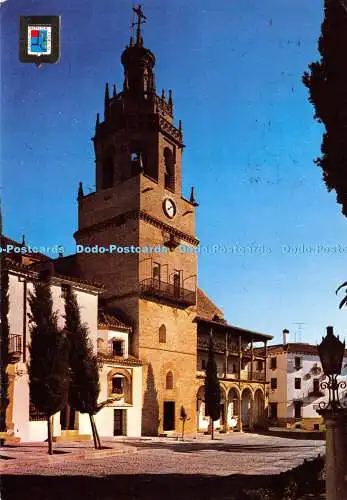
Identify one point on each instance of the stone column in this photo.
(251, 414)
(252, 359)
(239, 420)
(336, 453)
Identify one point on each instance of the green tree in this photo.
(4, 346)
(49, 356)
(212, 387)
(84, 385)
(150, 407)
(326, 82)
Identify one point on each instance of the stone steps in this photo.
(71, 435)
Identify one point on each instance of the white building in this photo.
(294, 373)
(120, 374)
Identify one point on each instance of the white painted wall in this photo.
(88, 302)
(105, 418)
(308, 361)
(109, 335)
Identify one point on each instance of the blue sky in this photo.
(235, 68)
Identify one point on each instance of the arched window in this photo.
(108, 170)
(118, 384)
(162, 334)
(138, 158)
(169, 162)
(169, 381)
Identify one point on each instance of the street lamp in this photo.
(331, 351)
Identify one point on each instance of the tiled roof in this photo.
(110, 321)
(224, 326)
(4, 241)
(294, 348)
(206, 308)
(130, 360)
(74, 279)
(10, 263)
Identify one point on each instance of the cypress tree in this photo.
(326, 82)
(49, 356)
(4, 346)
(212, 387)
(183, 417)
(84, 385)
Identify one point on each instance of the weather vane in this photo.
(141, 19)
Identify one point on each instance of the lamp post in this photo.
(334, 412)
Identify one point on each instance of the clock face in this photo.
(169, 208)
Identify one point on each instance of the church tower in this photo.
(138, 213)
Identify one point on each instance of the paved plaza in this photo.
(148, 467)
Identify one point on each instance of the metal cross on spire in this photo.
(141, 19)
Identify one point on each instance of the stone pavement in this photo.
(143, 467)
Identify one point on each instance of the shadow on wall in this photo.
(150, 409)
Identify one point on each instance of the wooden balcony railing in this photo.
(256, 376)
(167, 291)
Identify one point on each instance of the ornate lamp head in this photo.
(331, 351)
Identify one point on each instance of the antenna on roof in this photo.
(298, 331)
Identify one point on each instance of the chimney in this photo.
(285, 333)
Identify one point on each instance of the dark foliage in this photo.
(49, 350)
(150, 408)
(212, 387)
(84, 376)
(326, 82)
(4, 347)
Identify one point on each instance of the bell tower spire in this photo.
(141, 19)
(138, 62)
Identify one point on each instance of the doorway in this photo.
(68, 419)
(169, 416)
(119, 423)
(222, 415)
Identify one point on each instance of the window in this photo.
(156, 271)
(316, 385)
(273, 363)
(297, 363)
(64, 290)
(107, 170)
(169, 162)
(117, 385)
(162, 334)
(297, 409)
(274, 383)
(117, 348)
(273, 410)
(169, 381)
(297, 383)
(203, 364)
(234, 370)
(259, 365)
(177, 283)
(137, 158)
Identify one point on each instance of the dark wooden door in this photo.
(118, 423)
(169, 416)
